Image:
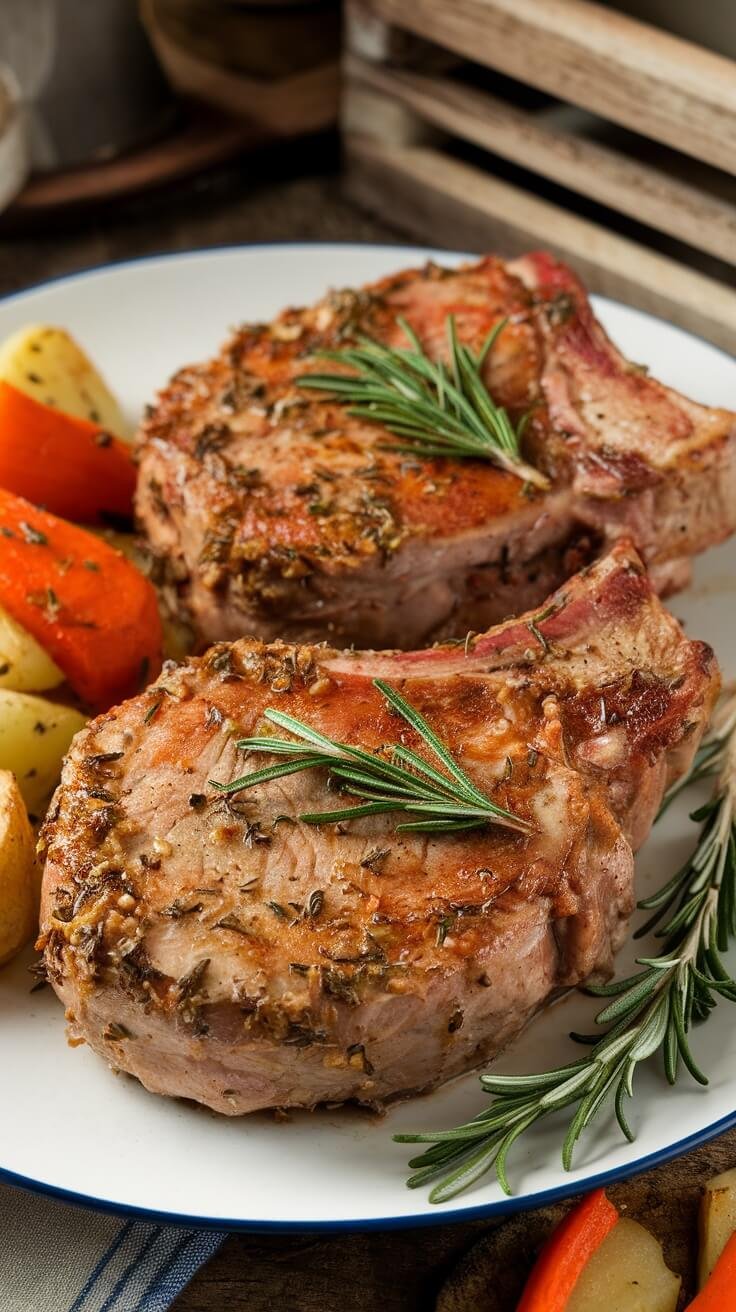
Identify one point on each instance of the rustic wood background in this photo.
(472, 1267)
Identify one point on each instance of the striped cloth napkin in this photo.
(58, 1258)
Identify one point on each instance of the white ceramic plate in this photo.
(71, 1127)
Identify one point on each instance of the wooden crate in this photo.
(614, 146)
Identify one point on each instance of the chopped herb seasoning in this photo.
(537, 633)
(39, 972)
(101, 758)
(212, 438)
(337, 985)
(33, 535)
(46, 601)
(249, 884)
(254, 834)
(116, 1033)
(443, 929)
(189, 984)
(282, 820)
(357, 1057)
(315, 903)
(278, 910)
(180, 908)
(155, 707)
(303, 1035)
(100, 794)
(375, 858)
(231, 922)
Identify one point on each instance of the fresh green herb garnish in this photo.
(649, 1012)
(437, 409)
(399, 780)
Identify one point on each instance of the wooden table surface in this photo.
(451, 1267)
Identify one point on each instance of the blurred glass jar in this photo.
(89, 81)
(15, 162)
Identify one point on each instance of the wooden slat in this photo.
(646, 79)
(371, 38)
(363, 110)
(641, 191)
(445, 202)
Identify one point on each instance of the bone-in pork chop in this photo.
(271, 511)
(221, 949)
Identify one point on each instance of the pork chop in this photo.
(271, 511)
(220, 948)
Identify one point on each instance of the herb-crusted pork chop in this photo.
(220, 948)
(274, 512)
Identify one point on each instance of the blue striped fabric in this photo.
(56, 1257)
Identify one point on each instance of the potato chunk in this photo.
(18, 883)
(24, 665)
(717, 1221)
(627, 1273)
(47, 364)
(34, 736)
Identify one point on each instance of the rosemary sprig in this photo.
(649, 1011)
(401, 780)
(437, 409)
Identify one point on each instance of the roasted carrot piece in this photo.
(93, 612)
(566, 1252)
(719, 1293)
(63, 463)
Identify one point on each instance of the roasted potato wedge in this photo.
(34, 737)
(717, 1221)
(47, 364)
(18, 881)
(24, 665)
(627, 1273)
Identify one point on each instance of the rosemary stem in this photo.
(653, 1010)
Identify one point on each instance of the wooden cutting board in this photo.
(491, 1276)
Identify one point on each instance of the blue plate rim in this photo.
(497, 1207)
(480, 1211)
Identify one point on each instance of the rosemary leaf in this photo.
(437, 409)
(433, 801)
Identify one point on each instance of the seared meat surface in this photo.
(273, 512)
(220, 949)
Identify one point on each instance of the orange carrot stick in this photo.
(719, 1292)
(63, 463)
(566, 1252)
(93, 612)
